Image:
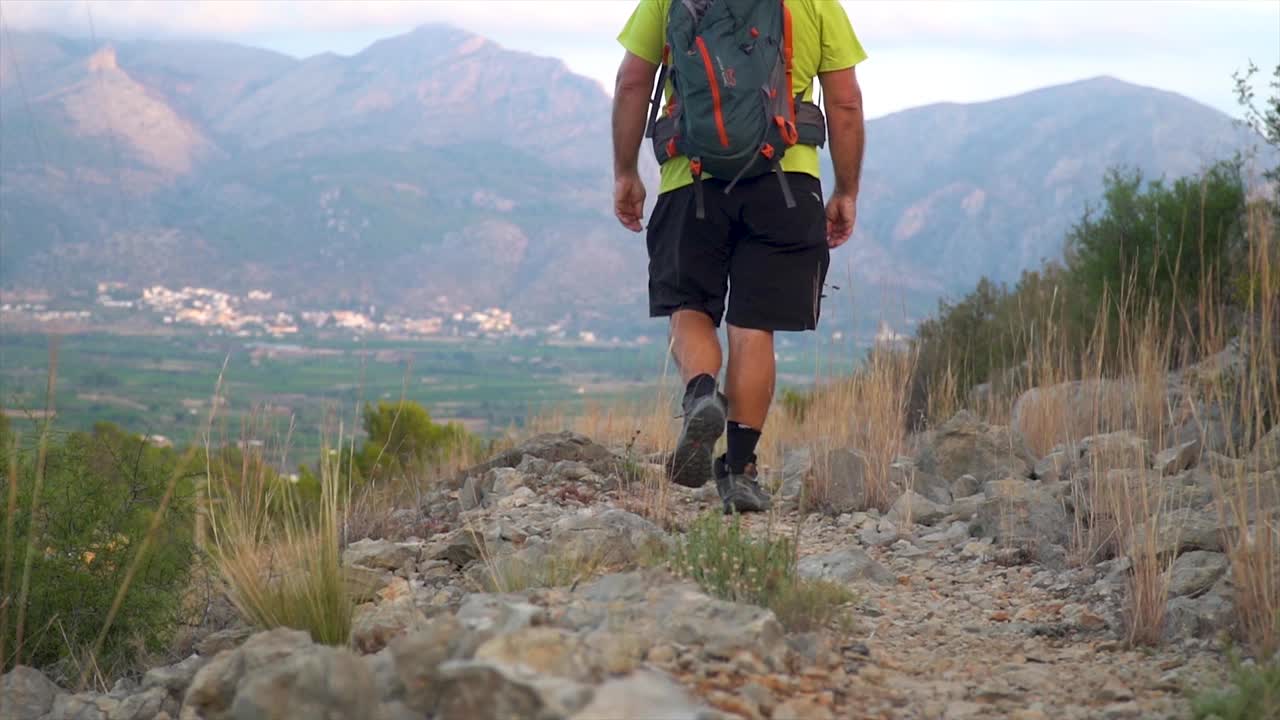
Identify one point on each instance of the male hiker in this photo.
(740, 212)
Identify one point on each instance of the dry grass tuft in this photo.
(280, 558)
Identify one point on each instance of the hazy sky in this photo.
(921, 51)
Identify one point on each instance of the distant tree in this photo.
(1156, 243)
(403, 438)
(1264, 120)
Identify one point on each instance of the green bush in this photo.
(1146, 253)
(100, 492)
(1252, 692)
(1160, 243)
(402, 438)
(726, 561)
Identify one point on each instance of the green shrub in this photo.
(1252, 692)
(99, 496)
(726, 561)
(1150, 252)
(402, 438)
(1158, 243)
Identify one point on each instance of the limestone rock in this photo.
(912, 507)
(176, 678)
(1195, 572)
(26, 693)
(281, 674)
(1122, 450)
(1176, 531)
(381, 554)
(1174, 460)
(965, 445)
(611, 537)
(1024, 515)
(1266, 452)
(374, 626)
(642, 696)
(1079, 406)
(1204, 616)
(471, 689)
(844, 566)
(552, 448)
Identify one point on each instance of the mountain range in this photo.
(437, 169)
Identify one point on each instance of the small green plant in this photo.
(726, 561)
(1252, 692)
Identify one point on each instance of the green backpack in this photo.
(731, 111)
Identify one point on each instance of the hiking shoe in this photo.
(740, 492)
(704, 419)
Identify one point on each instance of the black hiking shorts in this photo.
(768, 260)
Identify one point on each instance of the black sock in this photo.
(700, 385)
(742, 446)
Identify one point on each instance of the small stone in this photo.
(662, 655)
(1116, 711)
(1113, 690)
(912, 507)
(801, 709)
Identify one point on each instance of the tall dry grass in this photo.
(1248, 496)
(866, 412)
(279, 557)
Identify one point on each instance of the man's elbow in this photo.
(847, 105)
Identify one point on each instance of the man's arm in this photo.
(843, 100)
(630, 114)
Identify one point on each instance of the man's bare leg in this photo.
(751, 376)
(694, 344)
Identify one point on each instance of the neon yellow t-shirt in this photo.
(824, 42)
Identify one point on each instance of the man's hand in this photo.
(628, 201)
(842, 213)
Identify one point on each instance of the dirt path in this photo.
(954, 634)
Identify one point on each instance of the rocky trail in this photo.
(952, 618)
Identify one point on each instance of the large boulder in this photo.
(967, 445)
(26, 694)
(281, 674)
(1075, 409)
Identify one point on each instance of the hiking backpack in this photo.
(731, 110)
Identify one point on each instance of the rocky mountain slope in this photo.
(437, 163)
